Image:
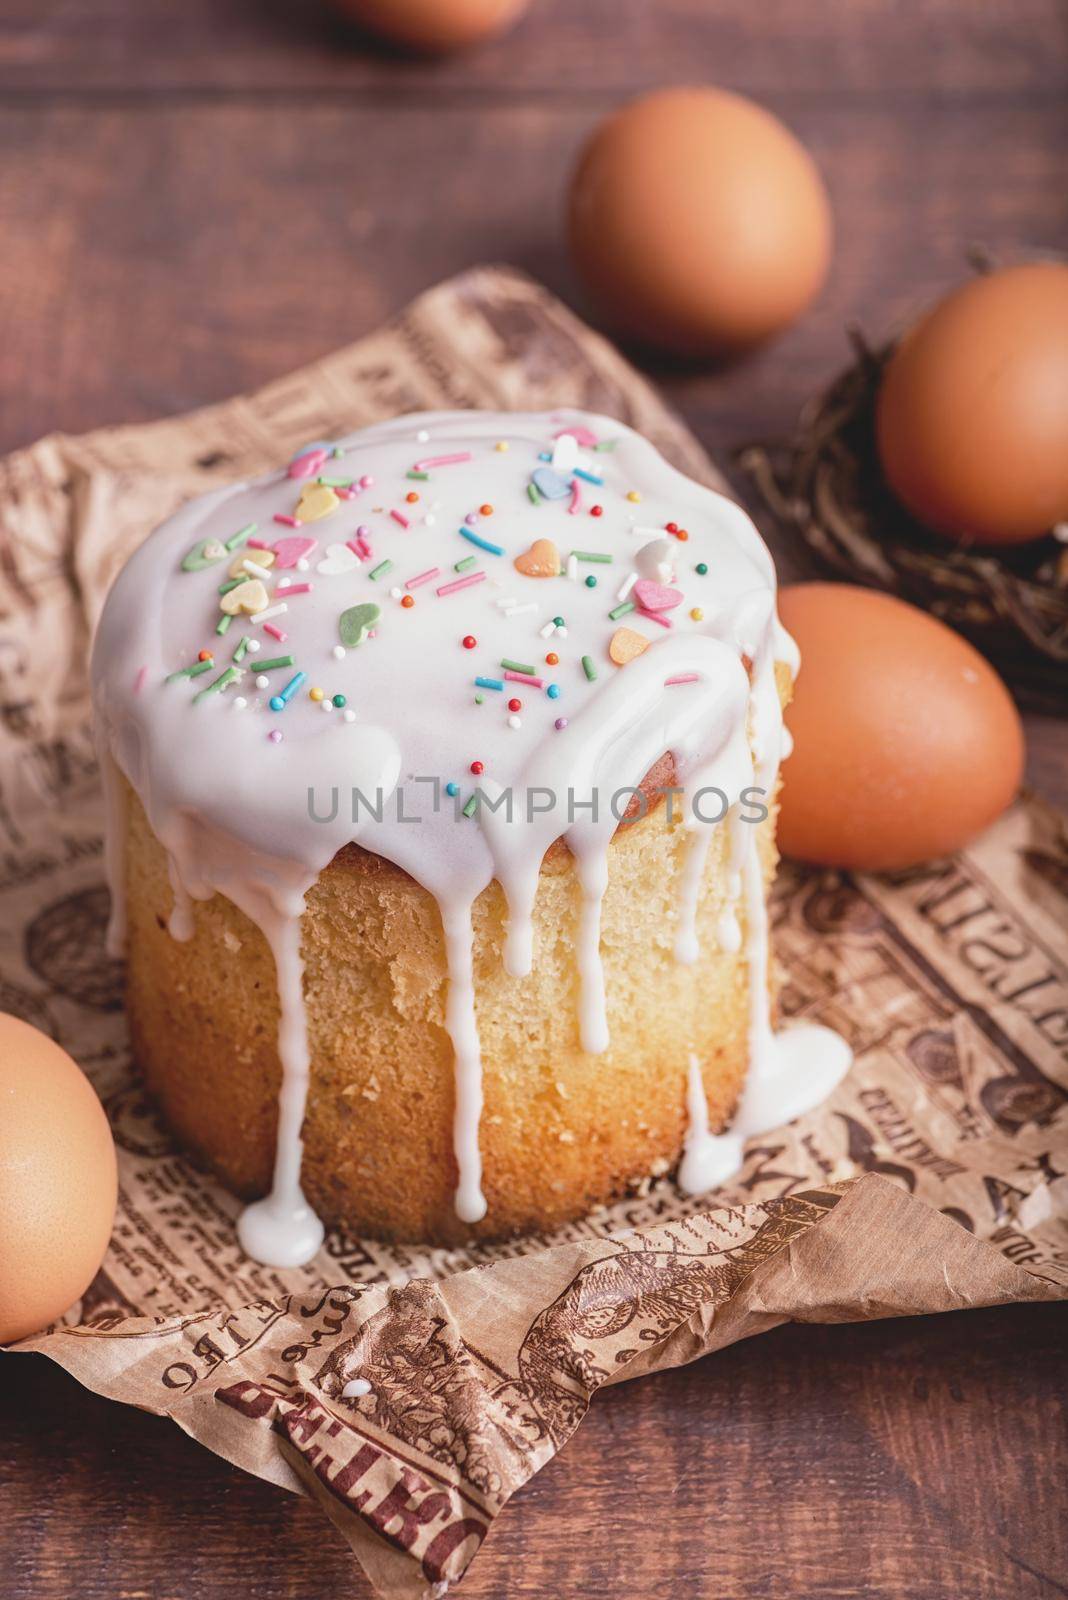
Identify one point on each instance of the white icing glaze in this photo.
(225, 778)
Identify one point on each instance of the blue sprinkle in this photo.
(553, 691)
(277, 702)
(489, 683)
(588, 477)
(550, 483)
(483, 544)
(452, 790)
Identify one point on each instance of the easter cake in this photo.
(441, 767)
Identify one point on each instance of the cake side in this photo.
(561, 1131)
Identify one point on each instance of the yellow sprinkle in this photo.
(502, 445)
(317, 694)
(633, 496)
(697, 614)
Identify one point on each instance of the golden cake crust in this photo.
(561, 1132)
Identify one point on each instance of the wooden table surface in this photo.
(197, 197)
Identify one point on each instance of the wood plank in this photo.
(604, 48)
(156, 259)
(921, 1458)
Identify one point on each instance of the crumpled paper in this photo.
(411, 1391)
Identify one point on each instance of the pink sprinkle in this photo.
(367, 482)
(295, 588)
(139, 681)
(275, 633)
(580, 433)
(364, 549)
(257, 544)
(398, 516)
(304, 466)
(656, 616)
(683, 677)
(461, 583)
(356, 546)
(523, 677)
(576, 498)
(423, 577)
(441, 461)
(346, 494)
(275, 736)
(287, 522)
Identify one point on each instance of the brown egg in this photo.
(972, 419)
(433, 26)
(906, 742)
(58, 1180)
(699, 222)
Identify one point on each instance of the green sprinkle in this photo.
(465, 565)
(480, 699)
(606, 444)
(421, 476)
(591, 582)
(231, 583)
(472, 806)
(382, 568)
(533, 495)
(517, 666)
(242, 646)
(590, 555)
(239, 538)
(336, 483)
(621, 611)
(588, 668)
(558, 622)
(340, 702)
(191, 672)
(223, 681)
(275, 661)
(701, 568)
(223, 623)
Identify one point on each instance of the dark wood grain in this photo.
(197, 197)
(921, 1459)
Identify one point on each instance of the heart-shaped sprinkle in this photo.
(355, 624)
(550, 483)
(316, 501)
(259, 558)
(580, 433)
(339, 558)
(248, 597)
(655, 596)
(204, 554)
(625, 644)
(310, 461)
(542, 560)
(288, 552)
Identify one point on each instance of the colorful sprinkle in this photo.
(442, 461)
(560, 724)
(424, 577)
(591, 582)
(452, 790)
(465, 564)
(478, 768)
(515, 705)
(701, 568)
(315, 694)
(398, 516)
(469, 641)
(553, 691)
(240, 537)
(488, 683)
(589, 668)
(472, 806)
(518, 666)
(408, 601)
(278, 702)
(461, 583)
(275, 663)
(339, 701)
(483, 544)
(382, 568)
(223, 681)
(621, 611)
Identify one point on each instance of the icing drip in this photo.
(282, 1229)
(227, 747)
(462, 1025)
